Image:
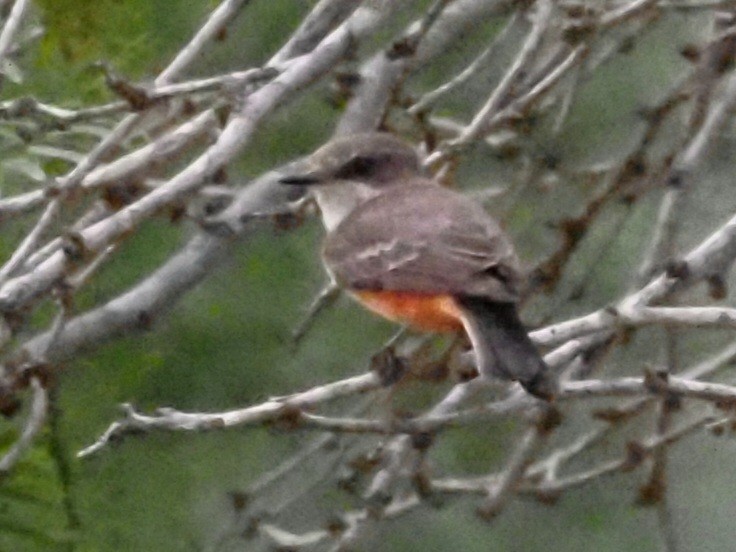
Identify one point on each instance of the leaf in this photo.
(27, 167)
(11, 70)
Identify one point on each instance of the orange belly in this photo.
(432, 313)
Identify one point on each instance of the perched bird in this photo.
(419, 253)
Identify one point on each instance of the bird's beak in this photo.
(303, 179)
(302, 173)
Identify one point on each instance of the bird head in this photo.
(375, 159)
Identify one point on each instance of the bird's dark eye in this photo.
(358, 166)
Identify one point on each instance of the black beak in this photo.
(306, 179)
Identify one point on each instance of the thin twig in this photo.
(505, 483)
(542, 19)
(33, 425)
(430, 98)
(216, 22)
(713, 255)
(324, 299)
(12, 24)
(270, 410)
(31, 241)
(627, 462)
(233, 138)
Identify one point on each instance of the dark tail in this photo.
(503, 348)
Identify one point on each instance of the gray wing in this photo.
(427, 239)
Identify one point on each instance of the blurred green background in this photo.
(227, 343)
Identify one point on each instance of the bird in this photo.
(419, 253)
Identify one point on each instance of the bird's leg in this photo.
(324, 299)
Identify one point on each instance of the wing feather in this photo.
(427, 239)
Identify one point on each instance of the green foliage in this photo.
(34, 512)
(134, 37)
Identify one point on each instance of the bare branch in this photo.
(157, 153)
(714, 255)
(219, 18)
(34, 423)
(504, 484)
(636, 454)
(233, 138)
(479, 123)
(12, 23)
(269, 411)
(323, 18)
(430, 98)
(31, 241)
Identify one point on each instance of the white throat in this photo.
(338, 200)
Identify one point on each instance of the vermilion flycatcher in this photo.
(421, 254)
